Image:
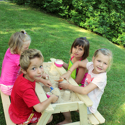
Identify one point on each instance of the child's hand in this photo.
(63, 85)
(66, 75)
(45, 76)
(54, 98)
(47, 83)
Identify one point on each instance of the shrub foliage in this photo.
(104, 17)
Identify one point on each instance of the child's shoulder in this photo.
(8, 52)
(89, 65)
(85, 60)
(22, 81)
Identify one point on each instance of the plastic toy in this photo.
(58, 63)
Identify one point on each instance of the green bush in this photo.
(104, 17)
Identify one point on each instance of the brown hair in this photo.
(27, 55)
(82, 41)
(16, 41)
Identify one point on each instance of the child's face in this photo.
(35, 69)
(78, 51)
(25, 46)
(101, 63)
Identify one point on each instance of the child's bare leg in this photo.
(68, 119)
(50, 119)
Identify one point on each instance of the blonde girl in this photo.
(18, 42)
(79, 52)
(95, 82)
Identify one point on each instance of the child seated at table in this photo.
(95, 81)
(25, 106)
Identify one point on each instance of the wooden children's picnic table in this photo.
(64, 107)
(81, 105)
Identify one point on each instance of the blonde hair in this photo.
(105, 52)
(17, 40)
(27, 55)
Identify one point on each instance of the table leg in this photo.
(83, 113)
(44, 118)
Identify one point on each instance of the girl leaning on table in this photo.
(95, 82)
(18, 42)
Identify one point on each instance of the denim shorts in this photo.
(88, 111)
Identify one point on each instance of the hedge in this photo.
(104, 17)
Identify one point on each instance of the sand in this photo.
(64, 95)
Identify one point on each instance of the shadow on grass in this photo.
(59, 118)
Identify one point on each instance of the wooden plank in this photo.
(48, 111)
(83, 98)
(100, 118)
(39, 90)
(74, 123)
(6, 104)
(92, 119)
(42, 96)
(83, 113)
(65, 107)
(44, 118)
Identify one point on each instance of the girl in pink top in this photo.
(18, 42)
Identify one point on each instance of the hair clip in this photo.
(102, 49)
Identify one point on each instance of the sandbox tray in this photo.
(75, 102)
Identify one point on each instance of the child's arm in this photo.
(81, 73)
(65, 65)
(43, 105)
(81, 90)
(74, 66)
(46, 82)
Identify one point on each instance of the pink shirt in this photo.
(98, 79)
(10, 68)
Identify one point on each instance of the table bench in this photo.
(96, 118)
(6, 103)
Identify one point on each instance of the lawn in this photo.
(54, 37)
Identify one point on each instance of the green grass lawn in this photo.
(54, 37)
